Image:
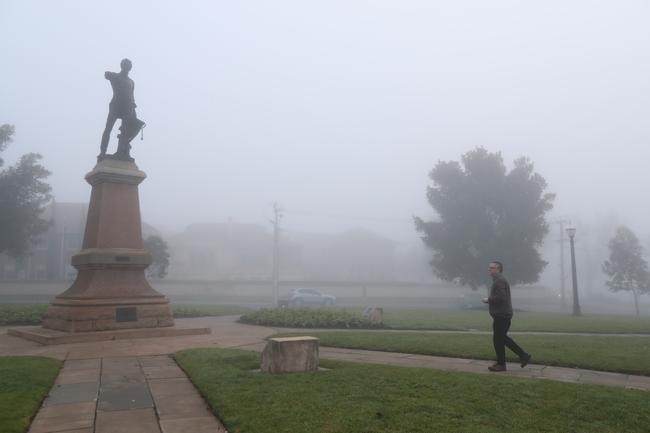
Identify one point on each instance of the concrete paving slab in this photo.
(82, 364)
(126, 375)
(117, 396)
(194, 425)
(167, 372)
(638, 382)
(81, 353)
(123, 351)
(156, 361)
(72, 393)
(176, 386)
(158, 349)
(77, 376)
(120, 363)
(440, 359)
(83, 430)
(561, 374)
(85, 408)
(372, 353)
(127, 421)
(181, 406)
(520, 372)
(337, 355)
(60, 423)
(603, 378)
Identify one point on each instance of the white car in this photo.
(300, 297)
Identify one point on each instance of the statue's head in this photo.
(126, 65)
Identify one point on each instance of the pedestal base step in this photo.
(51, 336)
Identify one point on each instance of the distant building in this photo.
(353, 255)
(234, 251)
(50, 256)
(229, 251)
(216, 251)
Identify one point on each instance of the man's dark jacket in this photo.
(499, 298)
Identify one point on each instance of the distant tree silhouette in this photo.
(486, 213)
(626, 268)
(157, 247)
(23, 196)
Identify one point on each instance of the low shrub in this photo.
(206, 310)
(22, 314)
(308, 318)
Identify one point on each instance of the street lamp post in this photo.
(571, 231)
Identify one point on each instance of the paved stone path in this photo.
(112, 386)
(147, 394)
(532, 371)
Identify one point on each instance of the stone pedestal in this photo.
(111, 291)
(290, 354)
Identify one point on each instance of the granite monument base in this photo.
(111, 291)
(51, 336)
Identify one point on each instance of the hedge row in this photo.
(308, 318)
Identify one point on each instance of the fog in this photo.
(338, 110)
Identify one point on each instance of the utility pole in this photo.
(561, 223)
(562, 274)
(571, 231)
(277, 216)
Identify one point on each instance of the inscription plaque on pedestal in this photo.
(126, 314)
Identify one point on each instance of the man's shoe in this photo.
(497, 367)
(525, 360)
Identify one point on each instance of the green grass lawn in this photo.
(453, 320)
(24, 383)
(363, 398)
(32, 314)
(480, 320)
(606, 353)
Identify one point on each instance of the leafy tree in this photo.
(23, 196)
(486, 213)
(6, 137)
(626, 268)
(157, 247)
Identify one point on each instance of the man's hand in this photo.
(484, 300)
(108, 74)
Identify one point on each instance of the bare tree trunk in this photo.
(636, 300)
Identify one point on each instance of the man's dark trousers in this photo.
(500, 327)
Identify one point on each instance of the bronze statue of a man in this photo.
(122, 106)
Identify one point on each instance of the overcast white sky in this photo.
(335, 107)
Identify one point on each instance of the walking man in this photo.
(500, 305)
